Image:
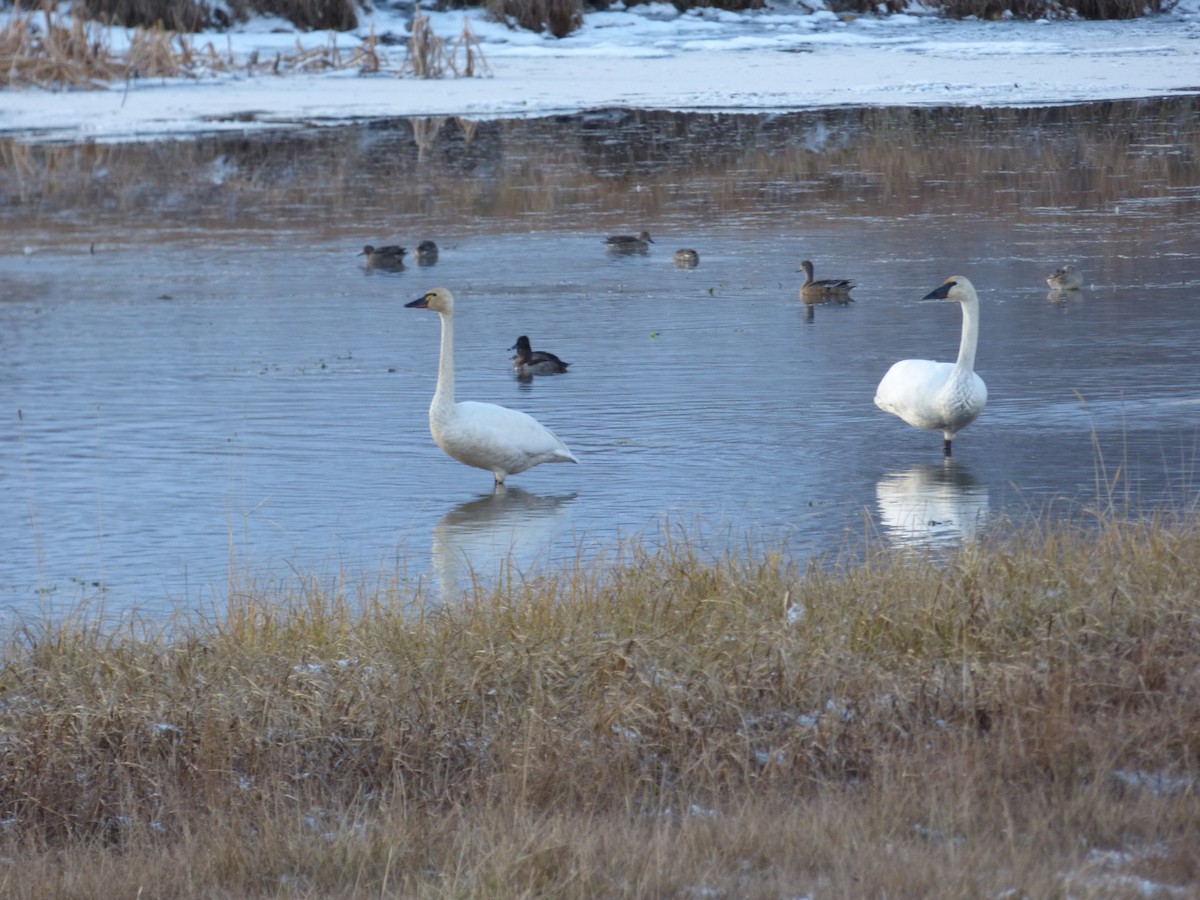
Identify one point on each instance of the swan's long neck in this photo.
(443, 397)
(970, 336)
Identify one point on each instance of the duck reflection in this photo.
(811, 304)
(935, 503)
(1063, 299)
(475, 539)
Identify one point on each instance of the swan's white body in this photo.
(938, 395)
(484, 435)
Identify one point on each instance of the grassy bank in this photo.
(1019, 720)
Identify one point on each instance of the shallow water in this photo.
(220, 396)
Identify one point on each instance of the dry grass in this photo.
(1053, 9)
(309, 15)
(983, 9)
(1021, 719)
(171, 15)
(559, 17)
(429, 57)
(54, 50)
(200, 15)
(48, 50)
(45, 50)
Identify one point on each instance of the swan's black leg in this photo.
(946, 447)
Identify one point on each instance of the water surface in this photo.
(206, 391)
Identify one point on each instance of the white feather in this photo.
(938, 395)
(484, 435)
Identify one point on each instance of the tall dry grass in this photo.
(559, 17)
(48, 50)
(308, 15)
(430, 56)
(983, 9)
(1018, 719)
(171, 15)
(201, 15)
(1053, 9)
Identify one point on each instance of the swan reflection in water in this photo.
(478, 538)
(931, 504)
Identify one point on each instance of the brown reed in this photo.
(50, 50)
(1053, 9)
(426, 51)
(53, 50)
(559, 17)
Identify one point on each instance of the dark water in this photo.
(221, 397)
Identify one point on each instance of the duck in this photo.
(940, 395)
(1065, 278)
(488, 436)
(826, 288)
(687, 258)
(427, 253)
(535, 362)
(387, 257)
(628, 243)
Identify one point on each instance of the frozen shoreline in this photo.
(650, 57)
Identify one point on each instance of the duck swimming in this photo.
(387, 257)
(687, 258)
(628, 243)
(535, 362)
(484, 435)
(427, 253)
(826, 288)
(1065, 278)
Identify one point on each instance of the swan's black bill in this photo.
(419, 303)
(940, 293)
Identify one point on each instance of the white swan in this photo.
(939, 395)
(502, 440)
